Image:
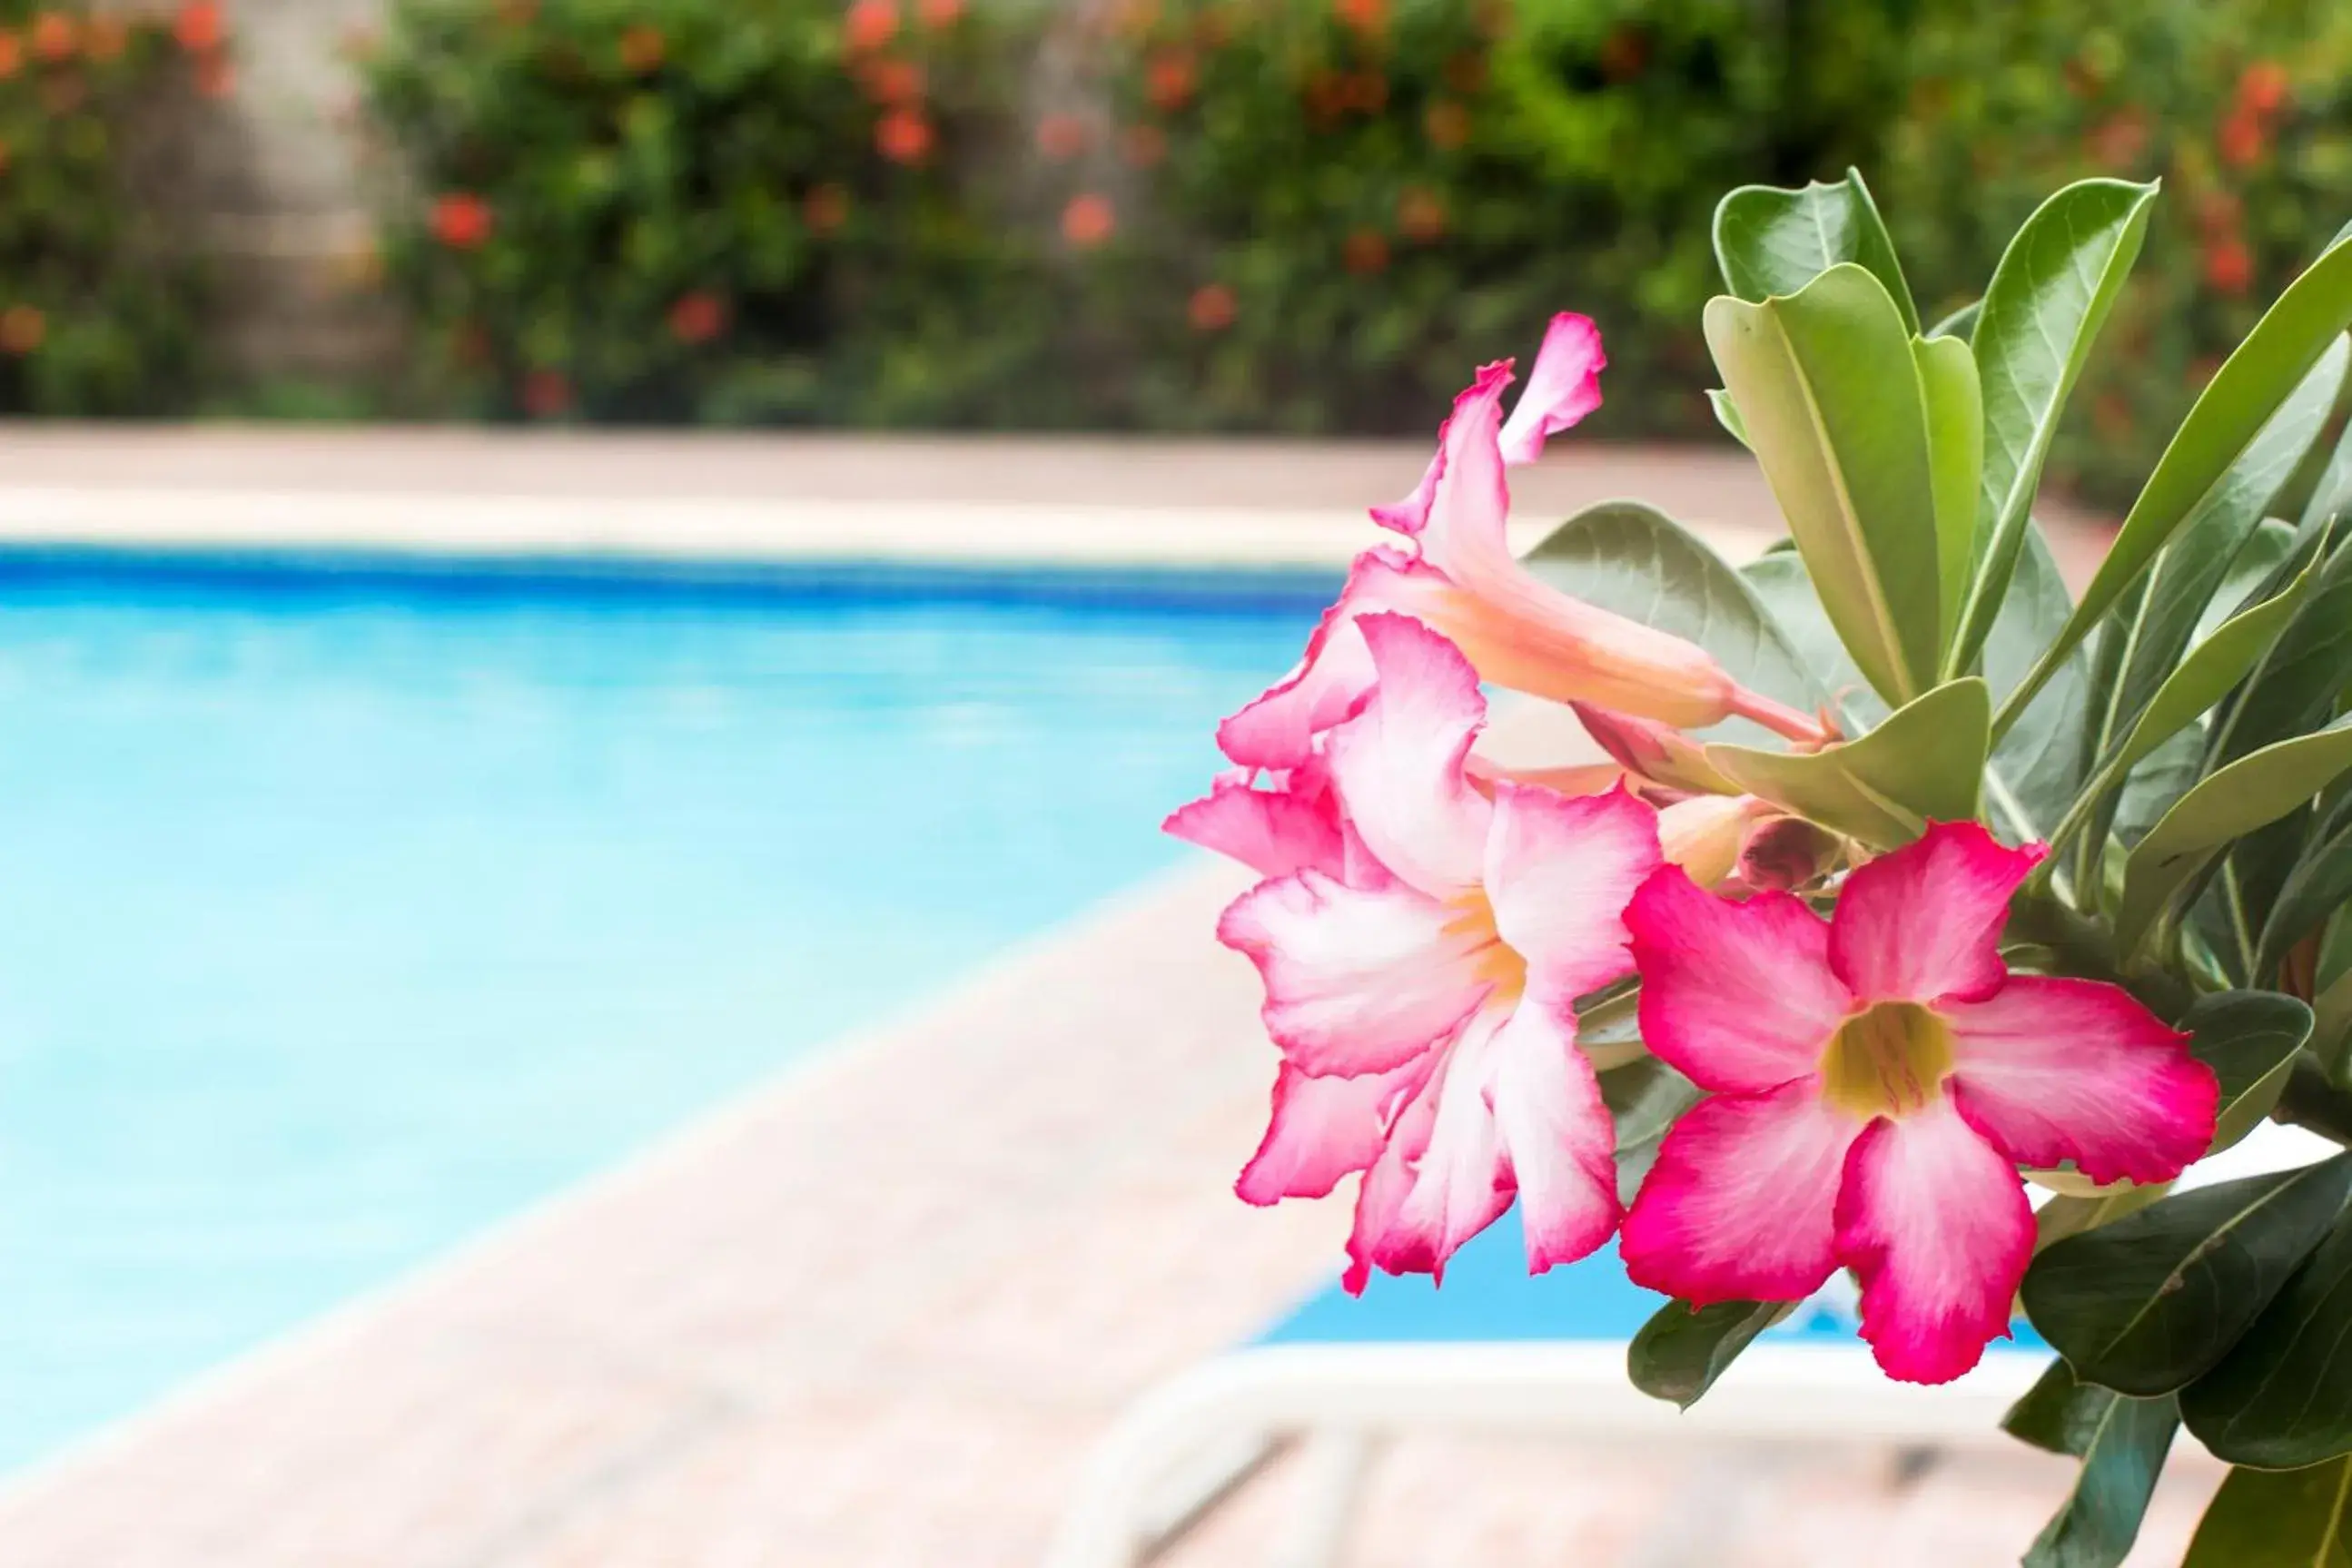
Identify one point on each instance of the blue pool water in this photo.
(343, 912)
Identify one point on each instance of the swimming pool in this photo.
(347, 908)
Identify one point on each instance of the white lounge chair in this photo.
(1497, 1353)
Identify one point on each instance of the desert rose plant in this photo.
(1911, 883)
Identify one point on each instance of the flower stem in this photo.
(1780, 718)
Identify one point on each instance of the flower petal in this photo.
(1560, 872)
(1558, 1142)
(1738, 997)
(1408, 515)
(1388, 1182)
(1934, 1223)
(1277, 730)
(1924, 922)
(1741, 1203)
(1398, 764)
(1357, 980)
(1272, 832)
(2054, 1070)
(1563, 386)
(1459, 1183)
(1322, 1129)
(1466, 531)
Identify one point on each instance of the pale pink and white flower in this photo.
(1424, 1005)
(1877, 1080)
(1454, 571)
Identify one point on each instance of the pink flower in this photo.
(1456, 573)
(1421, 964)
(1877, 1080)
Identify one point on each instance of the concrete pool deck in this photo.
(875, 1314)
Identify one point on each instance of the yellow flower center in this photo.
(1889, 1060)
(1496, 961)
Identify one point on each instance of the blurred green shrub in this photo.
(1344, 203)
(100, 296)
(724, 210)
(1305, 216)
(2243, 109)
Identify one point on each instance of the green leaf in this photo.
(2283, 1396)
(1727, 413)
(1830, 395)
(2249, 1038)
(2071, 1214)
(1682, 1350)
(2042, 1415)
(2320, 885)
(1955, 408)
(2037, 770)
(2122, 1444)
(2296, 683)
(2278, 1519)
(1960, 323)
(1785, 589)
(1639, 563)
(2274, 357)
(1924, 764)
(2268, 546)
(2149, 1304)
(2237, 800)
(2157, 618)
(1644, 1098)
(1771, 241)
(2048, 298)
(2211, 668)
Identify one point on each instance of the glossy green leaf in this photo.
(1960, 323)
(2037, 770)
(2147, 1304)
(2205, 675)
(2319, 885)
(2266, 548)
(2241, 797)
(2283, 1396)
(2122, 1444)
(1924, 764)
(2278, 1519)
(2277, 355)
(1644, 1098)
(2040, 1415)
(1682, 1350)
(1638, 562)
(1771, 241)
(2249, 1038)
(2144, 645)
(2048, 298)
(1828, 389)
(2070, 1214)
(2296, 683)
(1955, 405)
(1727, 414)
(1785, 589)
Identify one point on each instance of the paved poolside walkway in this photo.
(873, 1316)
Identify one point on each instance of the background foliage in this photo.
(1241, 214)
(99, 299)
(725, 209)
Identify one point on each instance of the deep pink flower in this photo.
(1421, 990)
(1877, 1080)
(1456, 572)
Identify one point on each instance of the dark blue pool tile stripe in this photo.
(371, 574)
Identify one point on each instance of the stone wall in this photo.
(279, 201)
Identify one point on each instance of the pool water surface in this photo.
(345, 914)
